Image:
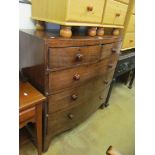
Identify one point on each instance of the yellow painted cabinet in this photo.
(106, 13)
(131, 24)
(85, 10)
(129, 41)
(115, 13)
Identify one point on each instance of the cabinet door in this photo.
(129, 41)
(85, 10)
(131, 24)
(115, 13)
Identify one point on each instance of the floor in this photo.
(111, 126)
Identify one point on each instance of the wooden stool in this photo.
(30, 110)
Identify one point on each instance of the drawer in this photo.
(109, 50)
(124, 1)
(85, 10)
(26, 114)
(71, 56)
(66, 119)
(60, 80)
(131, 24)
(129, 41)
(115, 13)
(78, 95)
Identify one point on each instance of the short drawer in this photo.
(79, 95)
(85, 10)
(63, 79)
(115, 13)
(131, 24)
(66, 119)
(26, 114)
(109, 50)
(72, 56)
(129, 41)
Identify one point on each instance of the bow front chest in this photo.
(73, 73)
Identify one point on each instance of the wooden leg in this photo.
(132, 79)
(100, 31)
(116, 32)
(92, 31)
(109, 93)
(65, 31)
(39, 128)
(40, 25)
(102, 106)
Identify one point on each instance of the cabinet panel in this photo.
(129, 41)
(131, 24)
(85, 10)
(115, 13)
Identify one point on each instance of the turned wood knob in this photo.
(116, 32)
(90, 8)
(76, 77)
(70, 116)
(79, 57)
(65, 31)
(100, 31)
(110, 65)
(74, 96)
(92, 31)
(40, 25)
(118, 14)
(106, 81)
(114, 50)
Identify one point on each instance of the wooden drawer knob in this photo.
(131, 41)
(74, 96)
(79, 57)
(113, 50)
(90, 8)
(110, 65)
(118, 14)
(76, 77)
(106, 81)
(70, 116)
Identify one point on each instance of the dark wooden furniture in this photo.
(74, 74)
(125, 71)
(30, 110)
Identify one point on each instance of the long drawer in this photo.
(60, 80)
(71, 56)
(66, 119)
(78, 95)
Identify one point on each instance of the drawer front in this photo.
(109, 50)
(71, 56)
(66, 119)
(124, 1)
(79, 95)
(115, 13)
(131, 24)
(26, 114)
(60, 80)
(85, 10)
(129, 40)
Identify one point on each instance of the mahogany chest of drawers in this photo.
(73, 73)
